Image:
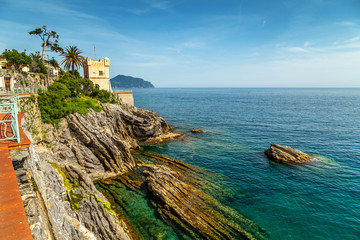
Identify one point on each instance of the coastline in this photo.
(84, 151)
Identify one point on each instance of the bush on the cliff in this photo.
(16, 58)
(70, 94)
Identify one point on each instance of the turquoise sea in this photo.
(320, 200)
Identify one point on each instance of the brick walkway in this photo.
(13, 221)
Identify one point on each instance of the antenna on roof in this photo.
(95, 52)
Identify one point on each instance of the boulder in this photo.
(285, 154)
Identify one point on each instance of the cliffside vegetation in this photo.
(70, 94)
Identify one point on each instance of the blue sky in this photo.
(198, 43)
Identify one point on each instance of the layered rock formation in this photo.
(63, 162)
(285, 154)
(192, 209)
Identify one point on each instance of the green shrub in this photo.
(70, 94)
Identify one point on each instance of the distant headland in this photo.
(121, 81)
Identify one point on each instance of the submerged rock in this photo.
(195, 130)
(182, 194)
(285, 154)
(164, 137)
(178, 200)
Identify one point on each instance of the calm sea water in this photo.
(320, 200)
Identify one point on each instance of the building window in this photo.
(101, 73)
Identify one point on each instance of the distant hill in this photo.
(121, 81)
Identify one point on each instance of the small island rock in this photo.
(195, 130)
(285, 154)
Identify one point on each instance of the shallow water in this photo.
(319, 200)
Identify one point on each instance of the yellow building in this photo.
(98, 72)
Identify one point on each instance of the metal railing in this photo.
(121, 90)
(18, 90)
(10, 109)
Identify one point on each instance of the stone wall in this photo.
(26, 79)
(126, 97)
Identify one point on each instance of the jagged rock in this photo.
(285, 154)
(55, 220)
(176, 199)
(100, 141)
(195, 130)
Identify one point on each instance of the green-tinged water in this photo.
(139, 212)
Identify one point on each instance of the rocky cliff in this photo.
(62, 163)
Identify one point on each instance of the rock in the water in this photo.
(164, 137)
(195, 130)
(285, 154)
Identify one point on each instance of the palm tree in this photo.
(72, 58)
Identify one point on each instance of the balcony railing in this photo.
(9, 123)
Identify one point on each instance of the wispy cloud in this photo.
(306, 48)
(137, 11)
(346, 23)
(354, 39)
(296, 49)
(161, 5)
(51, 7)
(193, 44)
(150, 5)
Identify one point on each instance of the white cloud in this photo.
(354, 39)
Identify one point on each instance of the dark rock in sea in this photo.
(195, 130)
(285, 154)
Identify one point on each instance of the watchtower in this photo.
(98, 72)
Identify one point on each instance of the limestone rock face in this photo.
(285, 154)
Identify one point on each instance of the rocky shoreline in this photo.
(64, 162)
